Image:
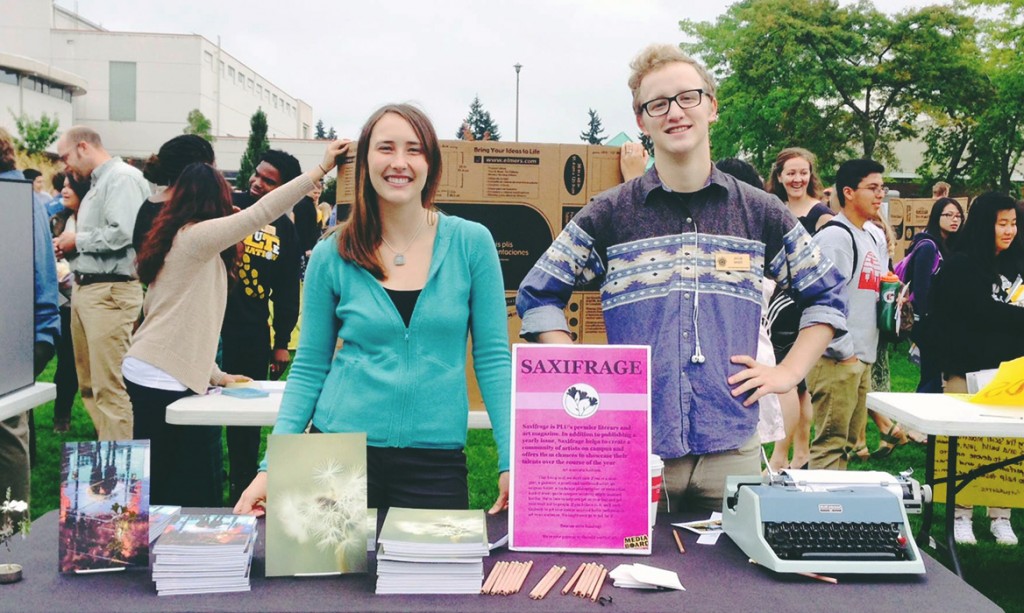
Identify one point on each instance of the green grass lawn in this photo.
(988, 567)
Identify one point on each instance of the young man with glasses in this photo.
(841, 379)
(680, 253)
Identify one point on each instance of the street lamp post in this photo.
(517, 66)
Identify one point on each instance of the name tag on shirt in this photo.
(732, 261)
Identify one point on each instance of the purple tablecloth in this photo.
(717, 578)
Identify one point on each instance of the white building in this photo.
(135, 89)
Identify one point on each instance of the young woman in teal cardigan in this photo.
(401, 288)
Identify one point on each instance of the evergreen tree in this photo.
(646, 142)
(481, 126)
(258, 143)
(592, 135)
(319, 133)
(199, 125)
(331, 134)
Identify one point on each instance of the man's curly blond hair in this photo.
(654, 57)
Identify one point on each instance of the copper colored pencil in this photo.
(509, 578)
(583, 585)
(491, 578)
(572, 580)
(824, 578)
(521, 579)
(600, 583)
(499, 577)
(679, 542)
(547, 584)
(540, 584)
(598, 569)
(587, 581)
(511, 587)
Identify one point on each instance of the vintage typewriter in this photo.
(825, 521)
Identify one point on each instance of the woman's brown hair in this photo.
(200, 193)
(360, 236)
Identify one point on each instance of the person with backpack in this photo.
(839, 381)
(928, 249)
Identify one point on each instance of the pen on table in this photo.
(824, 578)
(679, 541)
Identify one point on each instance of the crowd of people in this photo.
(780, 280)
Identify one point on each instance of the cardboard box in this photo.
(524, 193)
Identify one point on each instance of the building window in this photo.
(122, 91)
(11, 78)
(259, 90)
(231, 72)
(208, 59)
(241, 78)
(249, 84)
(222, 69)
(275, 101)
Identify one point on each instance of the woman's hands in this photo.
(254, 498)
(335, 153)
(227, 379)
(502, 502)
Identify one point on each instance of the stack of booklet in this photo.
(161, 516)
(202, 554)
(423, 551)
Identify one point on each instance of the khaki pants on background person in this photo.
(697, 482)
(103, 316)
(838, 395)
(958, 385)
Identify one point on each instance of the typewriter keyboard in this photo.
(836, 540)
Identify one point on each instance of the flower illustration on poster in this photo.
(580, 401)
(454, 529)
(333, 515)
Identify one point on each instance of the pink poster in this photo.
(580, 448)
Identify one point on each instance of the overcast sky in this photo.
(346, 58)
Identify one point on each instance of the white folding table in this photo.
(214, 409)
(950, 416)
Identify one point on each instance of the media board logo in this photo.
(580, 401)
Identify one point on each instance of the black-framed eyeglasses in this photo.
(685, 99)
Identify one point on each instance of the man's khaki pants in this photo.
(102, 318)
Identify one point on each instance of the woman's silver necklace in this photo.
(400, 255)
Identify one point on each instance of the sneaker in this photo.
(1003, 532)
(963, 531)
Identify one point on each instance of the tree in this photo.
(319, 132)
(258, 143)
(826, 77)
(331, 134)
(199, 125)
(35, 136)
(592, 134)
(480, 123)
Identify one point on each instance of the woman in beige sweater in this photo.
(187, 259)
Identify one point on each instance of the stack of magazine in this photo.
(161, 516)
(202, 554)
(423, 551)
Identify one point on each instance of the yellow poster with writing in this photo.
(1001, 488)
(1005, 486)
